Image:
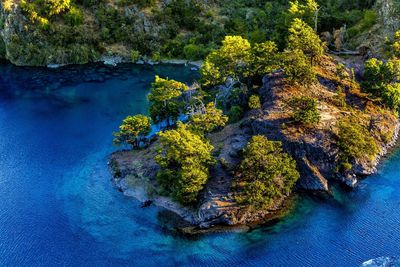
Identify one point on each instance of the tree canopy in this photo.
(305, 110)
(209, 120)
(355, 142)
(304, 10)
(298, 68)
(266, 173)
(184, 159)
(231, 60)
(164, 97)
(303, 37)
(133, 130)
(381, 80)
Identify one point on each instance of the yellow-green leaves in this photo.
(238, 59)
(266, 173)
(184, 159)
(231, 60)
(164, 99)
(132, 130)
(208, 121)
(396, 44)
(254, 102)
(355, 142)
(304, 10)
(303, 37)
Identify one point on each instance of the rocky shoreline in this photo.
(314, 150)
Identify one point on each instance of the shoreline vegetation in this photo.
(272, 113)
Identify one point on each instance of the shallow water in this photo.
(58, 206)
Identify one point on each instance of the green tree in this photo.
(132, 130)
(266, 174)
(165, 102)
(305, 110)
(297, 68)
(210, 74)
(303, 37)
(381, 80)
(396, 44)
(208, 121)
(264, 58)
(231, 60)
(305, 11)
(355, 142)
(184, 159)
(254, 102)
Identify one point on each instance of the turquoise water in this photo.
(58, 206)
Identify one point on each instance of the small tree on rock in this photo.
(266, 174)
(303, 37)
(297, 68)
(165, 104)
(184, 159)
(133, 130)
(305, 110)
(208, 121)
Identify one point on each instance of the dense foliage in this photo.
(82, 30)
(305, 110)
(165, 102)
(208, 120)
(298, 68)
(266, 173)
(302, 37)
(396, 44)
(239, 60)
(382, 80)
(133, 130)
(355, 142)
(254, 102)
(184, 159)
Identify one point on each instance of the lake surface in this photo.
(58, 206)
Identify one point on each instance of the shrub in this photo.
(135, 55)
(254, 102)
(266, 173)
(235, 113)
(355, 142)
(305, 110)
(396, 44)
(194, 52)
(297, 68)
(74, 16)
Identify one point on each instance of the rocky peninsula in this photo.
(315, 149)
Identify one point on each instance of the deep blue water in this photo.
(58, 206)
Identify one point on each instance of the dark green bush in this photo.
(266, 173)
(305, 110)
(355, 141)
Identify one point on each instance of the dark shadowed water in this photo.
(58, 207)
